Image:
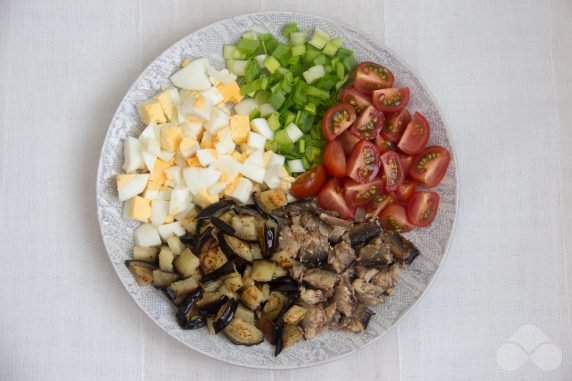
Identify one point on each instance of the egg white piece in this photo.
(167, 230)
(191, 108)
(256, 158)
(206, 157)
(223, 75)
(147, 235)
(218, 120)
(213, 94)
(229, 166)
(256, 141)
(149, 159)
(153, 147)
(180, 200)
(132, 187)
(193, 76)
(133, 155)
(260, 125)
(253, 172)
(166, 155)
(199, 179)
(242, 191)
(151, 132)
(175, 174)
(192, 129)
(159, 211)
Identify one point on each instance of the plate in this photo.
(117, 233)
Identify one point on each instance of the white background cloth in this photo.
(500, 70)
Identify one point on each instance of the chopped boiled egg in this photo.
(253, 172)
(129, 186)
(246, 106)
(138, 208)
(169, 99)
(241, 190)
(197, 107)
(167, 230)
(151, 132)
(219, 119)
(223, 75)
(166, 156)
(206, 156)
(271, 159)
(192, 129)
(180, 200)
(153, 147)
(151, 112)
(229, 166)
(171, 136)
(147, 235)
(240, 128)
(230, 92)
(255, 158)
(157, 177)
(193, 162)
(133, 155)
(149, 160)
(193, 76)
(216, 189)
(204, 199)
(213, 94)
(256, 141)
(240, 157)
(189, 146)
(199, 179)
(260, 125)
(174, 176)
(159, 211)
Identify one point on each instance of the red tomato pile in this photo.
(376, 156)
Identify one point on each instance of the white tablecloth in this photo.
(499, 310)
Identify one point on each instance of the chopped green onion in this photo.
(262, 97)
(237, 55)
(314, 73)
(271, 64)
(298, 38)
(301, 146)
(315, 92)
(277, 99)
(228, 51)
(319, 39)
(260, 60)
(266, 109)
(311, 56)
(265, 36)
(251, 71)
(254, 114)
(236, 67)
(340, 70)
(274, 121)
(343, 52)
(305, 163)
(250, 35)
(299, 50)
(248, 47)
(269, 45)
(281, 137)
(332, 47)
(311, 108)
(320, 60)
(312, 153)
(282, 54)
(296, 166)
(294, 133)
(289, 117)
(289, 28)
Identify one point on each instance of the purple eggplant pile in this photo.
(272, 270)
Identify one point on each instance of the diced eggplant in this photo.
(188, 316)
(190, 301)
(265, 288)
(189, 240)
(195, 321)
(255, 250)
(214, 209)
(359, 320)
(210, 328)
(233, 282)
(211, 286)
(245, 227)
(163, 279)
(252, 296)
(294, 315)
(245, 314)
(271, 328)
(225, 315)
(211, 302)
(235, 248)
(189, 223)
(284, 284)
(274, 304)
(175, 244)
(262, 270)
(227, 216)
(211, 260)
(362, 233)
(179, 289)
(206, 240)
(217, 274)
(279, 272)
(186, 263)
(241, 332)
(246, 279)
(142, 271)
(268, 238)
(291, 334)
(269, 200)
(283, 259)
(166, 258)
(223, 226)
(146, 254)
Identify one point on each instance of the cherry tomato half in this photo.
(416, 135)
(335, 159)
(309, 183)
(405, 190)
(368, 124)
(363, 164)
(392, 171)
(348, 141)
(406, 161)
(331, 198)
(394, 218)
(383, 145)
(357, 194)
(395, 124)
(358, 100)
(337, 119)
(379, 204)
(422, 208)
(429, 166)
(390, 100)
(371, 76)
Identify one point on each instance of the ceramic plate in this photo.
(117, 232)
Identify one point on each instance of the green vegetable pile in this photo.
(291, 83)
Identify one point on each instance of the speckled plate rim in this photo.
(453, 153)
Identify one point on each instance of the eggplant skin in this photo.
(142, 271)
(284, 284)
(241, 332)
(213, 306)
(214, 209)
(223, 226)
(225, 315)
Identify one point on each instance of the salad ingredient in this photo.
(394, 218)
(348, 141)
(392, 170)
(430, 165)
(416, 135)
(309, 183)
(405, 190)
(335, 159)
(337, 119)
(368, 124)
(395, 125)
(422, 208)
(357, 194)
(331, 198)
(357, 99)
(370, 76)
(363, 163)
(390, 100)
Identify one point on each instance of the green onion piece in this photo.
(260, 60)
(320, 60)
(349, 62)
(319, 39)
(311, 108)
(250, 35)
(299, 97)
(248, 87)
(288, 117)
(289, 28)
(293, 61)
(254, 114)
(305, 163)
(248, 47)
(297, 38)
(332, 47)
(236, 67)
(271, 64)
(262, 97)
(311, 55)
(265, 36)
(277, 100)
(266, 110)
(281, 137)
(237, 55)
(299, 50)
(285, 86)
(301, 145)
(269, 45)
(313, 153)
(271, 145)
(251, 71)
(282, 54)
(314, 73)
(340, 70)
(274, 121)
(343, 52)
(228, 51)
(326, 83)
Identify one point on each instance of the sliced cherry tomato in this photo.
(394, 218)
(405, 191)
(395, 124)
(331, 198)
(309, 183)
(368, 124)
(416, 135)
(337, 119)
(422, 208)
(357, 99)
(357, 194)
(406, 161)
(371, 76)
(379, 203)
(429, 166)
(363, 164)
(390, 100)
(392, 170)
(348, 141)
(383, 145)
(335, 159)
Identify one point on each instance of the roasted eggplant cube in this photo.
(223, 226)
(245, 227)
(211, 302)
(274, 304)
(214, 209)
(189, 223)
(186, 263)
(212, 259)
(163, 278)
(141, 271)
(146, 254)
(283, 259)
(262, 270)
(252, 296)
(175, 244)
(233, 282)
(236, 248)
(166, 258)
(269, 200)
(179, 289)
(291, 334)
(241, 332)
(294, 315)
(245, 314)
(225, 315)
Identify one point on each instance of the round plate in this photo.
(117, 232)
